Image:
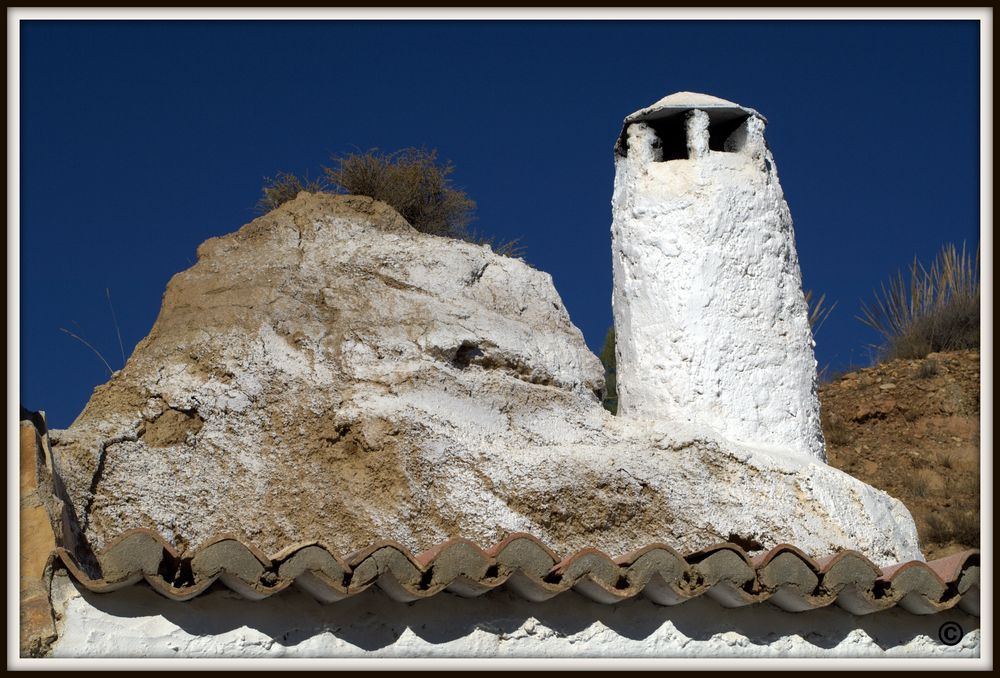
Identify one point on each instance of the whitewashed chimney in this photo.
(710, 319)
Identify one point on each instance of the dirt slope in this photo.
(911, 428)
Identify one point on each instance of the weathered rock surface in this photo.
(329, 373)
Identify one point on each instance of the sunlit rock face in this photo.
(329, 373)
(711, 323)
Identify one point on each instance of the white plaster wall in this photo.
(711, 324)
(137, 622)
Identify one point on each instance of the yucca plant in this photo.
(933, 309)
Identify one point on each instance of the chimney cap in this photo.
(678, 103)
(681, 102)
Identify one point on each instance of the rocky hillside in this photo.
(911, 428)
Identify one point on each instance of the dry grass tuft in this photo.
(928, 368)
(509, 248)
(818, 311)
(965, 528)
(936, 310)
(412, 182)
(835, 430)
(945, 460)
(964, 482)
(938, 528)
(960, 528)
(284, 187)
(917, 485)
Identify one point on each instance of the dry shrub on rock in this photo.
(412, 182)
(284, 187)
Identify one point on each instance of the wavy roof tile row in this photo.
(784, 576)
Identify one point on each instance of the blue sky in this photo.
(140, 139)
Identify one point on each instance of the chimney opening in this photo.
(720, 131)
(672, 135)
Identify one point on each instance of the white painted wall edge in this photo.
(136, 622)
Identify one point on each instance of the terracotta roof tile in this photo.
(784, 575)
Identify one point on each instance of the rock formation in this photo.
(329, 373)
(711, 324)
